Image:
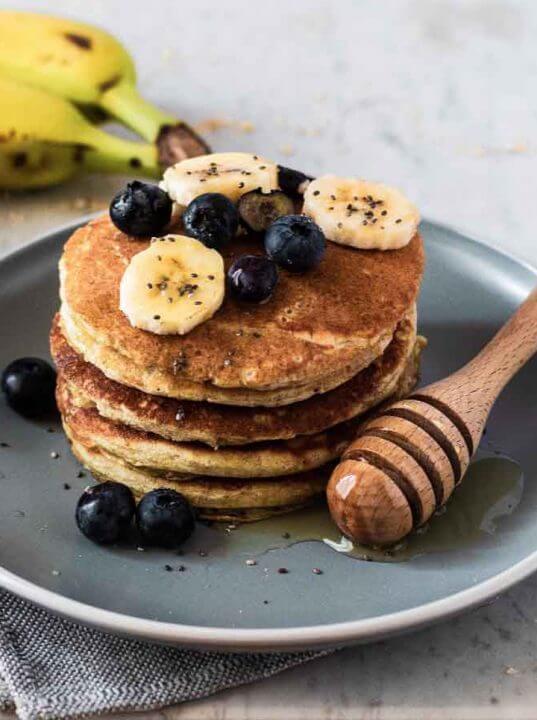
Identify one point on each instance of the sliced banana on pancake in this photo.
(232, 174)
(172, 286)
(362, 214)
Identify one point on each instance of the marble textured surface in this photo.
(436, 96)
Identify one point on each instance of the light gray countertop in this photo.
(435, 96)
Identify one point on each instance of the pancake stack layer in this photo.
(245, 414)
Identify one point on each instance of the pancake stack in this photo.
(246, 414)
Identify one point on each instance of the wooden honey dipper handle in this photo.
(406, 461)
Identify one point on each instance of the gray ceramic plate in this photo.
(220, 602)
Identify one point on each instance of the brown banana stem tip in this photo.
(179, 142)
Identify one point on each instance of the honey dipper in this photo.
(407, 460)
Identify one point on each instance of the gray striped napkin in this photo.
(53, 668)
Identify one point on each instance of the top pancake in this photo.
(319, 328)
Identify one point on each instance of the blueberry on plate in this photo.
(258, 210)
(212, 219)
(29, 385)
(141, 209)
(295, 243)
(292, 182)
(165, 518)
(104, 512)
(252, 278)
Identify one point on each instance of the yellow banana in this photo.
(44, 139)
(87, 65)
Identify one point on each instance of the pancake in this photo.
(319, 329)
(214, 498)
(218, 425)
(260, 459)
(121, 369)
(142, 449)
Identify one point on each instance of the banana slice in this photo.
(231, 174)
(362, 214)
(172, 286)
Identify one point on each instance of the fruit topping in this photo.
(104, 512)
(172, 286)
(292, 182)
(253, 278)
(165, 518)
(141, 209)
(361, 214)
(295, 243)
(232, 174)
(211, 218)
(258, 210)
(29, 384)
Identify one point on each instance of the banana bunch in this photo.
(58, 78)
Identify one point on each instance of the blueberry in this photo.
(141, 209)
(252, 278)
(295, 243)
(212, 219)
(104, 512)
(292, 182)
(165, 518)
(258, 210)
(29, 385)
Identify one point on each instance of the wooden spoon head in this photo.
(355, 492)
(402, 467)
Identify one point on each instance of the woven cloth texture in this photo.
(54, 668)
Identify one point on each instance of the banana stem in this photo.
(125, 103)
(108, 153)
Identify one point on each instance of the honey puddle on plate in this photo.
(492, 489)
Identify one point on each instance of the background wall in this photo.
(436, 96)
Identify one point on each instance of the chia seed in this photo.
(179, 363)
